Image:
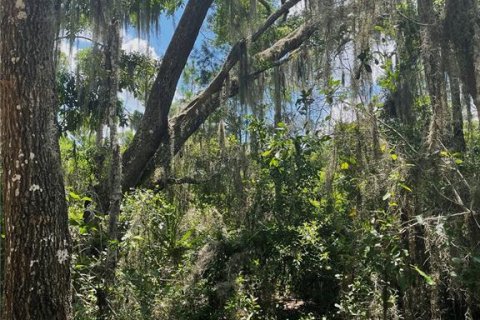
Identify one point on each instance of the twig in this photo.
(408, 224)
(399, 134)
(69, 37)
(415, 21)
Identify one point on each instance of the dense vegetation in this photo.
(311, 159)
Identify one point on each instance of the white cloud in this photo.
(70, 49)
(140, 45)
(129, 45)
(131, 103)
(298, 8)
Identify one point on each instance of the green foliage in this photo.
(81, 97)
(145, 14)
(242, 305)
(350, 218)
(137, 73)
(76, 159)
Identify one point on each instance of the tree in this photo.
(158, 135)
(37, 275)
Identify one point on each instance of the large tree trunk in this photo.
(431, 40)
(431, 54)
(115, 178)
(154, 126)
(37, 280)
(462, 29)
(113, 182)
(475, 13)
(458, 141)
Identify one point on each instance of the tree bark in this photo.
(115, 182)
(37, 275)
(458, 141)
(431, 53)
(114, 179)
(154, 126)
(278, 85)
(463, 30)
(476, 56)
(431, 41)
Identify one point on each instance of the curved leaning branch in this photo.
(194, 114)
(153, 134)
(291, 42)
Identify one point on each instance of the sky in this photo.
(157, 43)
(132, 41)
(155, 46)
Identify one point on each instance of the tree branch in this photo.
(162, 184)
(70, 37)
(266, 5)
(196, 112)
(154, 126)
(293, 40)
(153, 133)
(272, 18)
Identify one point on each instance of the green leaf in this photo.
(186, 236)
(138, 238)
(266, 153)
(405, 187)
(83, 230)
(74, 196)
(114, 242)
(75, 217)
(274, 163)
(80, 267)
(387, 196)
(425, 276)
(314, 203)
(325, 138)
(344, 166)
